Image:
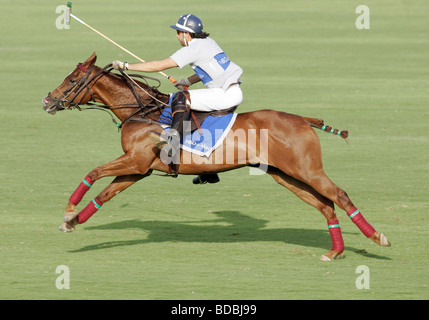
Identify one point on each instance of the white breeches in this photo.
(216, 98)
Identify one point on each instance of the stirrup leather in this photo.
(157, 139)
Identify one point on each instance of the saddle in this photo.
(198, 117)
(194, 121)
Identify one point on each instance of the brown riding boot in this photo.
(178, 109)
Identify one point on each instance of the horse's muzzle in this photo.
(50, 105)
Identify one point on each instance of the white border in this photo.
(218, 143)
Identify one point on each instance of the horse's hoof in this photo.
(69, 215)
(332, 255)
(68, 226)
(380, 239)
(65, 227)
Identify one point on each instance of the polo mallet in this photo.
(69, 14)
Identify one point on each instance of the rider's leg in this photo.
(178, 109)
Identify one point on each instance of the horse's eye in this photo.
(72, 81)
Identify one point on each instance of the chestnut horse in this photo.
(294, 157)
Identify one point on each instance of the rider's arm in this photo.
(153, 66)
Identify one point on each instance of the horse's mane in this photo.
(134, 92)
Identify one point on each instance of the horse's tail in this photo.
(319, 124)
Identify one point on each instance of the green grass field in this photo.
(246, 237)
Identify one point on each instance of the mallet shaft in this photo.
(119, 46)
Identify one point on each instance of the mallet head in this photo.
(69, 8)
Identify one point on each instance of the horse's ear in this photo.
(90, 61)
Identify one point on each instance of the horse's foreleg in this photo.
(321, 203)
(76, 197)
(118, 185)
(124, 165)
(129, 165)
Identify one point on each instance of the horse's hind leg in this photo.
(321, 203)
(304, 163)
(72, 218)
(321, 183)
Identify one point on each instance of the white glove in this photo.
(119, 65)
(182, 83)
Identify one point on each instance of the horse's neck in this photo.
(112, 91)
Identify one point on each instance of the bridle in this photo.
(67, 102)
(80, 85)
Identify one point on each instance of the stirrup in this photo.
(173, 142)
(157, 139)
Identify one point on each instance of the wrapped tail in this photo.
(319, 124)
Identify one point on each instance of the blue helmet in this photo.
(189, 23)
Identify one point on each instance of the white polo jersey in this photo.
(209, 62)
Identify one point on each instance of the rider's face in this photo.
(182, 37)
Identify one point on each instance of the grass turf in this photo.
(246, 237)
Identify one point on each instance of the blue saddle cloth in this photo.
(214, 131)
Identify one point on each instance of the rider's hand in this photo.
(181, 84)
(119, 65)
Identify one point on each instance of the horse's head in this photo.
(72, 91)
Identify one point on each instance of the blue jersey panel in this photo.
(223, 60)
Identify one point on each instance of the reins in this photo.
(141, 107)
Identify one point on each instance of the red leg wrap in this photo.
(89, 210)
(337, 238)
(84, 186)
(360, 221)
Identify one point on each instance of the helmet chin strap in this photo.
(184, 39)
